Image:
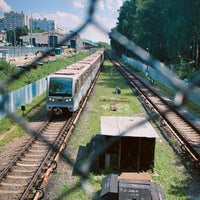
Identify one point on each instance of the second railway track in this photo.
(186, 133)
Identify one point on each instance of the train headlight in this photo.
(68, 100)
(50, 99)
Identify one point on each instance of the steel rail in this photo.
(192, 150)
(24, 149)
(40, 190)
(53, 149)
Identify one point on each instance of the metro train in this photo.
(67, 87)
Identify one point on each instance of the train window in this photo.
(77, 86)
(60, 86)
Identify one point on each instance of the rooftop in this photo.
(127, 126)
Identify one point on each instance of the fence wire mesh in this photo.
(182, 91)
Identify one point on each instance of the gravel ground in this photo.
(10, 149)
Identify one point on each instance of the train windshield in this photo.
(59, 86)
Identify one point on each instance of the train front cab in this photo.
(60, 94)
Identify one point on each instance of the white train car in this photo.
(67, 87)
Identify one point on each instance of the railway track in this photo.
(19, 178)
(184, 131)
(26, 175)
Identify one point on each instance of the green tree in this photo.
(103, 45)
(126, 19)
(125, 24)
(20, 31)
(170, 30)
(14, 36)
(10, 36)
(178, 27)
(149, 27)
(37, 31)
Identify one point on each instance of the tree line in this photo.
(169, 30)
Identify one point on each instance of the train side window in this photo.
(76, 87)
(79, 82)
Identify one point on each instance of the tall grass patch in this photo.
(35, 74)
(102, 99)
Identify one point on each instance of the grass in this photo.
(35, 74)
(102, 97)
(89, 123)
(169, 172)
(188, 104)
(11, 129)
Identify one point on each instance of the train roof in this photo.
(76, 69)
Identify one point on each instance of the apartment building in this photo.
(45, 25)
(12, 20)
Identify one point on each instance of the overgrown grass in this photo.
(169, 172)
(35, 74)
(102, 97)
(10, 129)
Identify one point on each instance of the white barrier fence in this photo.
(193, 94)
(15, 99)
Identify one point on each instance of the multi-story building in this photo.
(45, 25)
(12, 20)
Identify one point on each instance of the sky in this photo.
(69, 14)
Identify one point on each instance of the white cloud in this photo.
(4, 7)
(100, 5)
(110, 4)
(113, 5)
(105, 22)
(78, 4)
(69, 22)
(119, 3)
(63, 20)
(106, 9)
(91, 32)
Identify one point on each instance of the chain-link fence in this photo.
(182, 89)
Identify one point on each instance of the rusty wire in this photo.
(83, 171)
